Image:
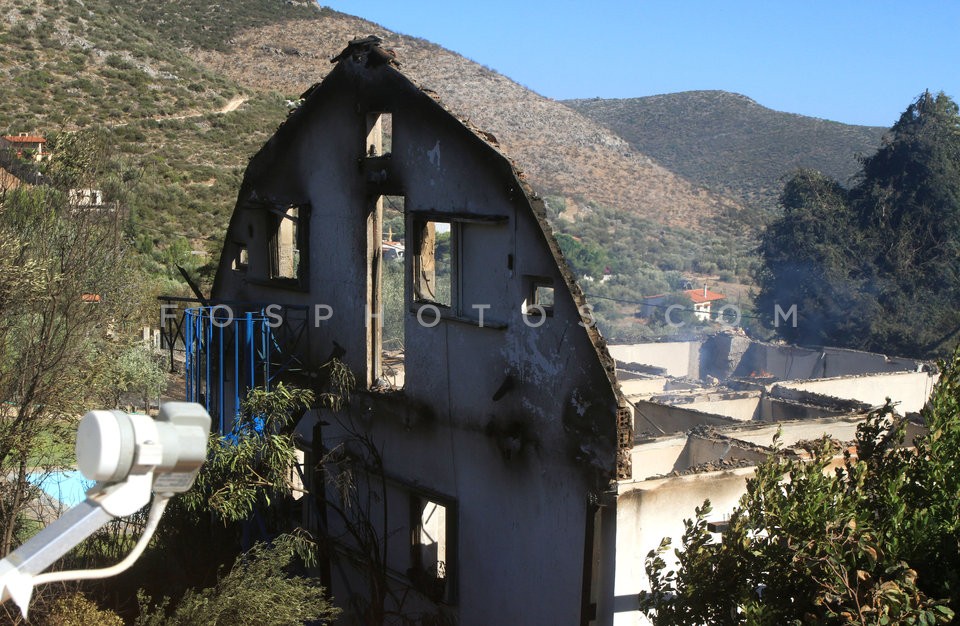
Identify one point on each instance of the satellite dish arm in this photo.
(131, 456)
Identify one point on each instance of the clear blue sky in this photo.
(854, 61)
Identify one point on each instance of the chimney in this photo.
(704, 290)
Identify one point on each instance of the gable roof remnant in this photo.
(370, 48)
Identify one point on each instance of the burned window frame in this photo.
(379, 135)
(382, 375)
(462, 225)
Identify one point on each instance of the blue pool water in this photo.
(67, 486)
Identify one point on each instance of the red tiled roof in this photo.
(24, 139)
(698, 297)
(90, 297)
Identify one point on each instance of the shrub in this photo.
(256, 590)
(76, 609)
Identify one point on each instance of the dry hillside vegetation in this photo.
(730, 144)
(186, 91)
(563, 153)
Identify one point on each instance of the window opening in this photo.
(392, 291)
(540, 297)
(286, 243)
(543, 295)
(242, 259)
(434, 266)
(432, 548)
(379, 134)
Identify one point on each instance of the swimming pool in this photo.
(67, 486)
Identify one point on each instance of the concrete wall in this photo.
(793, 362)
(678, 358)
(727, 354)
(844, 429)
(655, 418)
(909, 389)
(783, 410)
(711, 449)
(633, 385)
(659, 456)
(740, 409)
(648, 511)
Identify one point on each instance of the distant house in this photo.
(702, 301)
(86, 197)
(393, 250)
(25, 145)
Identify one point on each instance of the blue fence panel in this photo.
(216, 356)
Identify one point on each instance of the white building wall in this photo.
(909, 389)
(650, 510)
(678, 358)
(634, 385)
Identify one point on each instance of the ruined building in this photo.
(500, 423)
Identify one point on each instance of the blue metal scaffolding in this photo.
(226, 356)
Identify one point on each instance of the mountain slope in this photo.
(156, 77)
(731, 144)
(121, 71)
(563, 153)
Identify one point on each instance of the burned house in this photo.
(498, 425)
(499, 466)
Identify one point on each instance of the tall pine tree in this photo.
(877, 268)
(908, 204)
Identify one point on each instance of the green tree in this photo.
(64, 284)
(872, 542)
(585, 258)
(141, 369)
(393, 311)
(247, 477)
(908, 203)
(812, 261)
(256, 590)
(910, 190)
(877, 267)
(250, 466)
